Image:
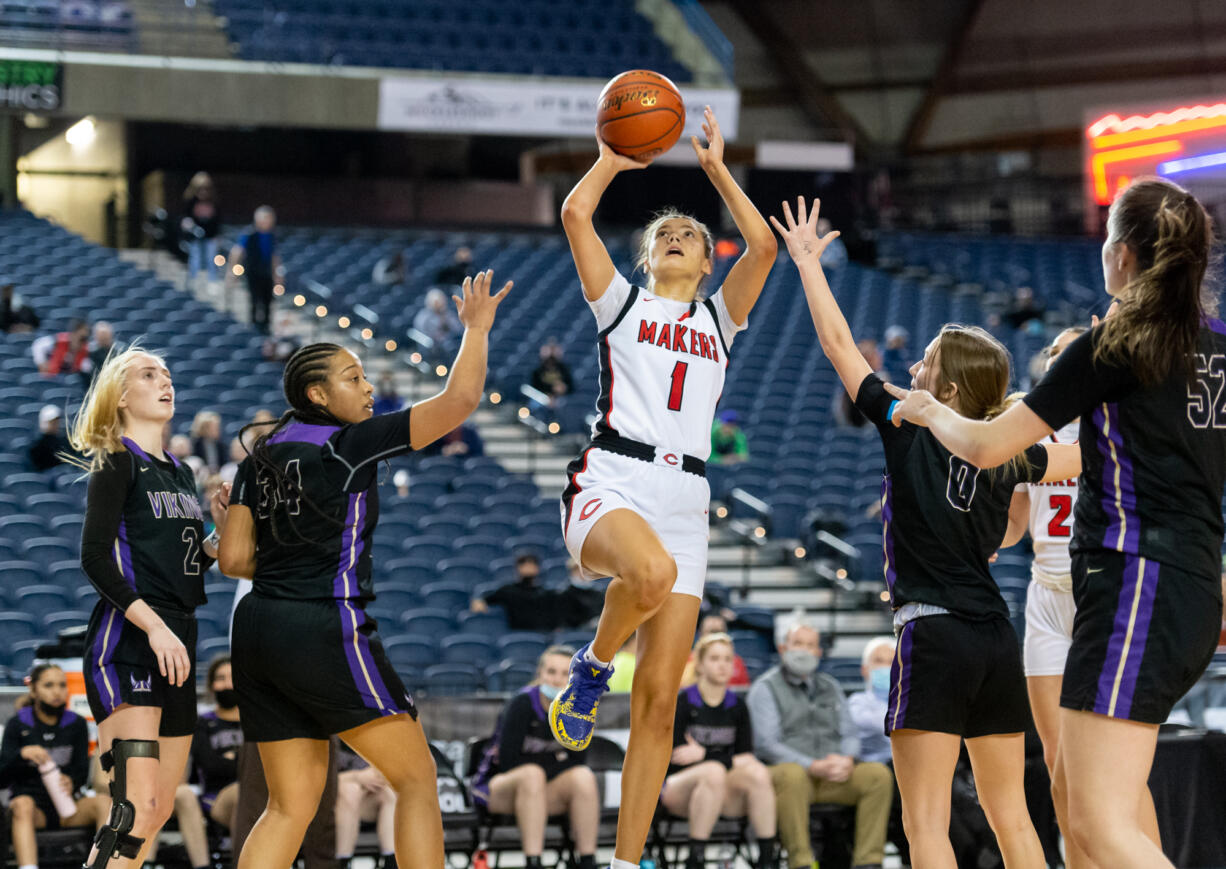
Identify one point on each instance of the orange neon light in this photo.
(1115, 124)
(1114, 139)
(1099, 162)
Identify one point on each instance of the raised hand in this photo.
(476, 307)
(800, 232)
(713, 154)
(618, 162)
(913, 405)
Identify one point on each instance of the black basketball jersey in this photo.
(318, 546)
(943, 517)
(67, 741)
(143, 531)
(215, 751)
(1153, 458)
(724, 730)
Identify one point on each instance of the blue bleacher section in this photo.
(581, 38)
(68, 24)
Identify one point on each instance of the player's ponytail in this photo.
(307, 367)
(1161, 310)
(97, 430)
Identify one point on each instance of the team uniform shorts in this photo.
(308, 669)
(1049, 629)
(121, 669)
(673, 502)
(1144, 633)
(957, 675)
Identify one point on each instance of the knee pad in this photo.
(114, 838)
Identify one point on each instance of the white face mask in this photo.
(799, 662)
(549, 691)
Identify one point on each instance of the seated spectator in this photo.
(867, 707)
(214, 759)
(391, 270)
(835, 254)
(363, 795)
(15, 314)
(728, 443)
(714, 623)
(437, 320)
(1024, 309)
(180, 446)
(460, 441)
(527, 605)
(64, 353)
(206, 439)
(802, 726)
(46, 449)
(524, 772)
(453, 275)
(712, 771)
(552, 376)
(104, 340)
(238, 452)
(386, 398)
(47, 746)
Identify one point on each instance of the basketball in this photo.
(640, 114)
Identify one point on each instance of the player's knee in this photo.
(1092, 826)
(582, 782)
(713, 776)
(652, 578)
(185, 797)
(757, 777)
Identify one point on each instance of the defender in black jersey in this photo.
(45, 732)
(143, 547)
(308, 661)
(1147, 384)
(524, 771)
(957, 672)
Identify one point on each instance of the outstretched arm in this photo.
(596, 269)
(747, 277)
(806, 248)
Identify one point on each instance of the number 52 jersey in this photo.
(662, 365)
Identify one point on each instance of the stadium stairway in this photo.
(172, 28)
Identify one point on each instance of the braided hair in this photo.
(308, 366)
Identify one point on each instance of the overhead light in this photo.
(82, 133)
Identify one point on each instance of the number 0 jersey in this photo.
(662, 365)
(1051, 519)
(1153, 458)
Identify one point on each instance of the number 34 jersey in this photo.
(1153, 458)
(662, 365)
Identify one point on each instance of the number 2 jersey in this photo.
(1153, 458)
(313, 538)
(943, 517)
(662, 365)
(1051, 520)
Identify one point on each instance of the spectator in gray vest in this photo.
(802, 727)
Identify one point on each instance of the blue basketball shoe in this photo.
(572, 714)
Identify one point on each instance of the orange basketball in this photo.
(640, 114)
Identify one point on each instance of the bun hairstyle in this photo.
(1155, 329)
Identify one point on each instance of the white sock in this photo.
(28, 866)
(592, 659)
(623, 864)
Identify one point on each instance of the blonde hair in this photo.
(706, 642)
(199, 180)
(564, 651)
(97, 430)
(659, 219)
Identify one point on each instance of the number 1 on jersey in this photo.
(674, 394)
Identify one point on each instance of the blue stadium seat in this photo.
(433, 549)
(451, 680)
(445, 595)
(468, 572)
(20, 654)
(474, 649)
(422, 622)
(18, 627)
(509, 676)
(411, 653)
(491, 623)
(522, 645)
(46, 550)
(41, 599)
(22, 527)
(24, 485)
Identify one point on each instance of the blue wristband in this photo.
(889, 414)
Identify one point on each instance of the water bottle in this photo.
(60, 797)
(481, 860)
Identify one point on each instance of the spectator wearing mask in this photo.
(206, 439)
(256, 253)
(104, 340)
(214, 758)
(552, 376)
(45, 450)
(438, 321)
(386, 398)
(15, 315)
(527, 605)
(64, 353)
(803, 727)
(525, 772)
(200, 225)
(728, 443)
(44, 734)
(714, 623)
(454, 273)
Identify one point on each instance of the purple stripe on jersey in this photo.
(691, 694)
(351, 549)
(106, 678)
(366, 676)
(1214, 325)
(1118, 680)
(304, 433)
(26, 716)
(133, 448)
(887, 533)
(1106, 422)
(900, 681)
(125, 555)
(538, 704)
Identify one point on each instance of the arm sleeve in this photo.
(609, 305)
(727, 326)
(108, 489)
(514, 729)
(767, 735)
(850, 742)
(744, 730)
(1036, 463)
(379, 437)
(78, 767)
(10, 753)
(1075, 383)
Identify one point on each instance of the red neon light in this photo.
(1115, 124)
(1182, 127)
(1099, 162)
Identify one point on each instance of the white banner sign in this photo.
(524, 107)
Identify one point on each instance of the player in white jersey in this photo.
(636, 505)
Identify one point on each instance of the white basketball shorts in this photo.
(1049, 630)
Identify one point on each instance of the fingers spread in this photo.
(778, 226)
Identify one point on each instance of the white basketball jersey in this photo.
(1051, 514)
(662, 365)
